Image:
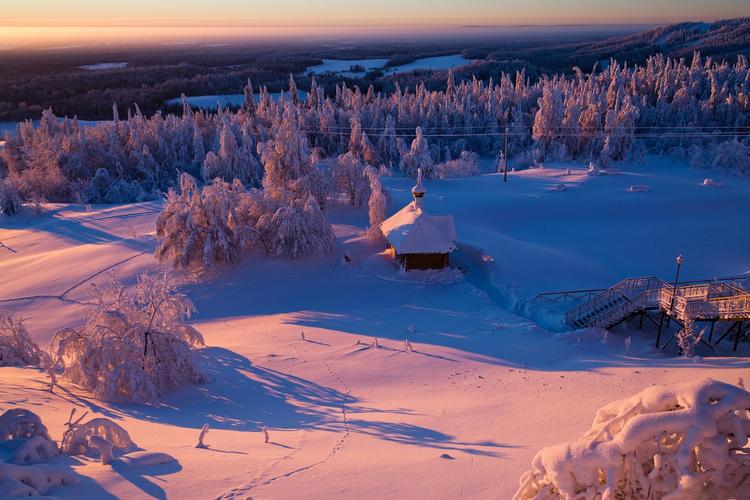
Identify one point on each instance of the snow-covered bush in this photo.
(77, 438)
(297, 229)
(689, 441)
(465, 166)
(732, 155)
(16, 346)
(133, 346)
(10, 199)
(19, 423)
(196, 227)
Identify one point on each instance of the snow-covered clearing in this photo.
(210, 101)
(463, 414)
(344, 66)
(103, 66)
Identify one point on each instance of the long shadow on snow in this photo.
(245, 397)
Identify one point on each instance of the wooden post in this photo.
(640, 325)
(738, 335)
(505, 157)
(658, 334)
(711, 333)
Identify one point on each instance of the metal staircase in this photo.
(706, 301)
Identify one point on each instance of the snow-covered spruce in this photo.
(16, 346)
(689, 441)
(134, 346)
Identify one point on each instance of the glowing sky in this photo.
(63, 23)
(361, 12)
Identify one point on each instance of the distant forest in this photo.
(32, 82)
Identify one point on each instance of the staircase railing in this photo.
(645, 299)
(626, 288)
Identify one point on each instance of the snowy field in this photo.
(343, 66)
(103, 66)
(210, 101)
(463, 414)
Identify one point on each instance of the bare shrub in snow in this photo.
(133, 346)
(688, 338)
(465, 166)
(16, 346)
(688, 441)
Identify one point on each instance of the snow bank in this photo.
(637, 188)
(33, 480)
(689, 441)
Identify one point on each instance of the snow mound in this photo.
(147, 458)
(36, 449)
(558, 187)
(637, 188)
(689, 441)
(710, 182)
(32, 480)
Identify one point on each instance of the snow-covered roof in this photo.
(412, 230)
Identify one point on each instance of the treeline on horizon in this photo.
(33, 82)
(699, 111)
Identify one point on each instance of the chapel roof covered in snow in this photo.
(413, 231)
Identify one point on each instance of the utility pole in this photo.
(505, 157)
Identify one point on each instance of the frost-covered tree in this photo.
(16, 346)
(134, 345)
(347, 179)
(10, 199)
(231, 162)
(297, 229)
(377, 203)
(417, 157)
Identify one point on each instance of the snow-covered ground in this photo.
(103, 66)
(343, 66)
(463, 414)
(210, 101)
